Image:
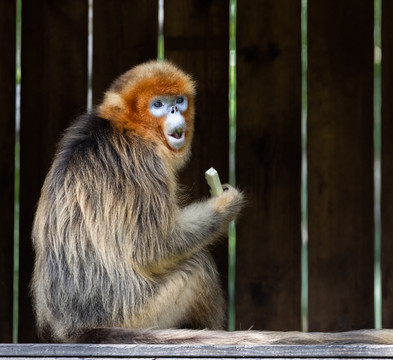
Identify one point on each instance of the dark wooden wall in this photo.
(340, 163)
(268, 149)
(268, 164)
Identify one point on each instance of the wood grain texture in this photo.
(53, 93)
(7, 159)
(124, 35)
(196, 37)
(268, 164)
(340, 164)
(387, 164)
(197, 351)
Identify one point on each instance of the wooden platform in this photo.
(61, 351)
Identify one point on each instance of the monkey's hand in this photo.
(230, 202)
(202, 222)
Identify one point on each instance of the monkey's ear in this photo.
(112, 105)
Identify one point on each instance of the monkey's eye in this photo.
(158, 104)
(180, 100)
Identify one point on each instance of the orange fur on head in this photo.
(126, 102)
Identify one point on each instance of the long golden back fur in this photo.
(86, 234)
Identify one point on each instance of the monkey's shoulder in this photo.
(86, 132)
(93, 142)
(91, 136)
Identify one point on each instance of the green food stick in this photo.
(213, 180)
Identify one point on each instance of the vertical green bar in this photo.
(377, 165)
(304, 254)
(232, 163)
(15, 312)
(160, 42)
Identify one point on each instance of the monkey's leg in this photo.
(208, 309)
(188, 296)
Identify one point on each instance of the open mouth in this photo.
(176, 138)
(177, 134)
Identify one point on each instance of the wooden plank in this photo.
(196, 38)
(124, 35)
(54, 88)
(7, 159)
(197, 351)
(268, 164)
(340, 164)
(387, 164)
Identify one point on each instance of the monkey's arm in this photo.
(200, 223)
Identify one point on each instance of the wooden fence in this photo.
(340, 151)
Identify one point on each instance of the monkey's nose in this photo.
(174, 109)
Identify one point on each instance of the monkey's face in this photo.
(155, 100)
(171, 109)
